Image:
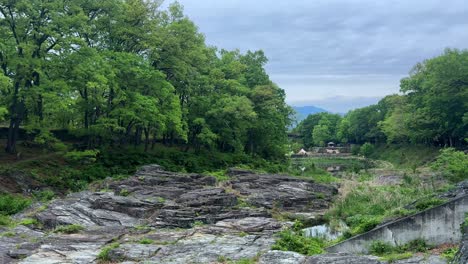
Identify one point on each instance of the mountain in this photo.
(303, 111)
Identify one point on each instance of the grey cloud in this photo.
(335, 37)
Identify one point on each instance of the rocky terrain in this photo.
(163, 217)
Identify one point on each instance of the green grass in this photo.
(29, 222)
(146, 241)
(406, 156)
(388, 251)
(11, 204)
(103, 255)
(290, 240)
(69, 229)
(364, 206)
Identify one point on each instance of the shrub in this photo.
(146, 241)
(366, 150)
(452, 164)
(291, 241)
(29, 222)
(104, 256)
(449, 254)
(82, 157)
(11, 204)
(69, 229)
(5, 220)
(428, 203)
(380, 248)
(44, 196)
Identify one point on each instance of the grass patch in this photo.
(220, 175)
(11, 204)
(69, 229)
(146, 241)
(295, 241)
(405, 156)
(29, 222)
(389, 252)
(362, 206)
(104, 256)
(449, 254)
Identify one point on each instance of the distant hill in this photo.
(303, 111)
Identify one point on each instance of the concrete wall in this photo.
(436, 226)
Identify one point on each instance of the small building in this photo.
(302, 152)
(331, 144)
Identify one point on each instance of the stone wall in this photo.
(436, 226)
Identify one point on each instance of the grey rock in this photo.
(281, 257)
(133, 252)
(432, 259)
(462, 254)
(342, 258)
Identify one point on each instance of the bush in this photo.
(380, 248)
(146, 241)
(428, 203)
(69, 229)
(366, 150)
(291, 241)
(82, 157)
(5, 220)
(11, 204)
(103, 256)
(44, 196)
(452, 164)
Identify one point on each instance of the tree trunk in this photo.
(146, 131)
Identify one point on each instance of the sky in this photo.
(335, 54)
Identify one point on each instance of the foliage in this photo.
(366, 150)
(452, 164)
(44, 196)
(390, 252)
(292, 241)
(29, 222)
(5, 220)
(428, 203)
(69, 229)
(145, 78)
(364, 205)
(103, 256)
(450, 253)
(11, 204)
(82, 157)
(146, 241)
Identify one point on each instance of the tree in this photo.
(31, 32)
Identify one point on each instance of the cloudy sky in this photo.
(327, 51)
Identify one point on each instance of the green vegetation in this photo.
(364, 205)
(392, 253)
(430, 112)
(146, 241)
(69, 229)
(290, 240)
(405, 156)
(11, 204)
(29, 222)
(452, 164)
(103, 256)
(124, 192)
(450, 253)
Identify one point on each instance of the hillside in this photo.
(303, 111)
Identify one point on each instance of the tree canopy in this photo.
(432, 109)
(117, 72)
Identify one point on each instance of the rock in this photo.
(460, 190)
(74, 248)
(281, 257)
(282, 192)
(228, 221)
(133, 252)
(432, 259)
(342, 258)
(462, 254)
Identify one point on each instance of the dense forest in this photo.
(431, 109)
(126, 72)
